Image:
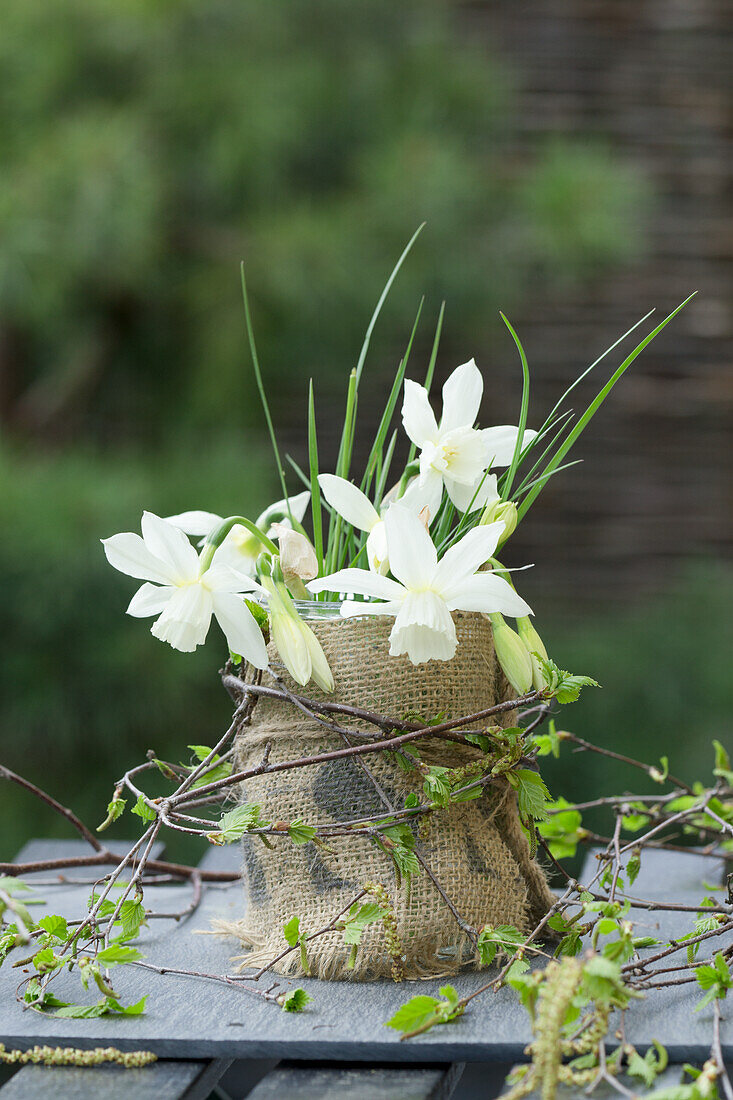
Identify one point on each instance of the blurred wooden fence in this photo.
(655, 78)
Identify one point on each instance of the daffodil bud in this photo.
(501, 511)
(512, 654)
(297, 556)
(291, 645)
(535, 647)
(299, 649)
(320, 668)
(264, 565)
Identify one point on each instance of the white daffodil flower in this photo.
(183, 594)
(357, 509)
(241, 548)
(454, 453)
(426, 590)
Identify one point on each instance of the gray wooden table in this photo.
(211, 1037)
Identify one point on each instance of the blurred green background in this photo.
(148, 146)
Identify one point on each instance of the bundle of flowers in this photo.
(386, 595)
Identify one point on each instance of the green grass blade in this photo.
(509, 479)
(343, 462)
(594, 364)
(261, 388)
(384, 472)
(431, 369)
(546, 476)
(566, 419)
(302, 475)
(348, 428)
(595, 405)
(382, 300)
(376, 451)
(315, 487)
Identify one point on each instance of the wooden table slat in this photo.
(314, 1081)
(164, 1080)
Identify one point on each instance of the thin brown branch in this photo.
(64, 811)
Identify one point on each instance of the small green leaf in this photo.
(294, 1000)
(55, 926)
(236, 823)
(480, 740)
(532, 794)
(414, 1013)
(132, 917)
(142, 810)
(83, 1012)
(423, 1012)
(300, 833)
(561, 829)
(115, 809)
(563, 686)
(722, 767)
(117, 953)
(45, 960)
(113, 1005)
(291, 931)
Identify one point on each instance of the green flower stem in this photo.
(217, 537)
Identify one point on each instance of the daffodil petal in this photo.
(467, 555)
(349, 501)
(360, 582)
(412, 555)
(499, 443)
(462, 393)
(197, 524)
(424, 492)
(460, 494)
(221, 577)
(423, 629)
(353, 608)
(170, 545)
(128, 553)
(240, 629)
(488, 593)
(279, 510)
(376, 548)
(150, 599)
(418, 418)
(482, 492)
(235, 552)
(186, 617)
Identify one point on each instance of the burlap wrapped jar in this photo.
(476, 850)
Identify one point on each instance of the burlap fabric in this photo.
(476, 850)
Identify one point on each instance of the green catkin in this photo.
(389, 923)
(71, 1056)
(561, 980)
(558, 984)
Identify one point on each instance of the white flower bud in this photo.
(296, 643)
(297, 556)
(512, 654)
